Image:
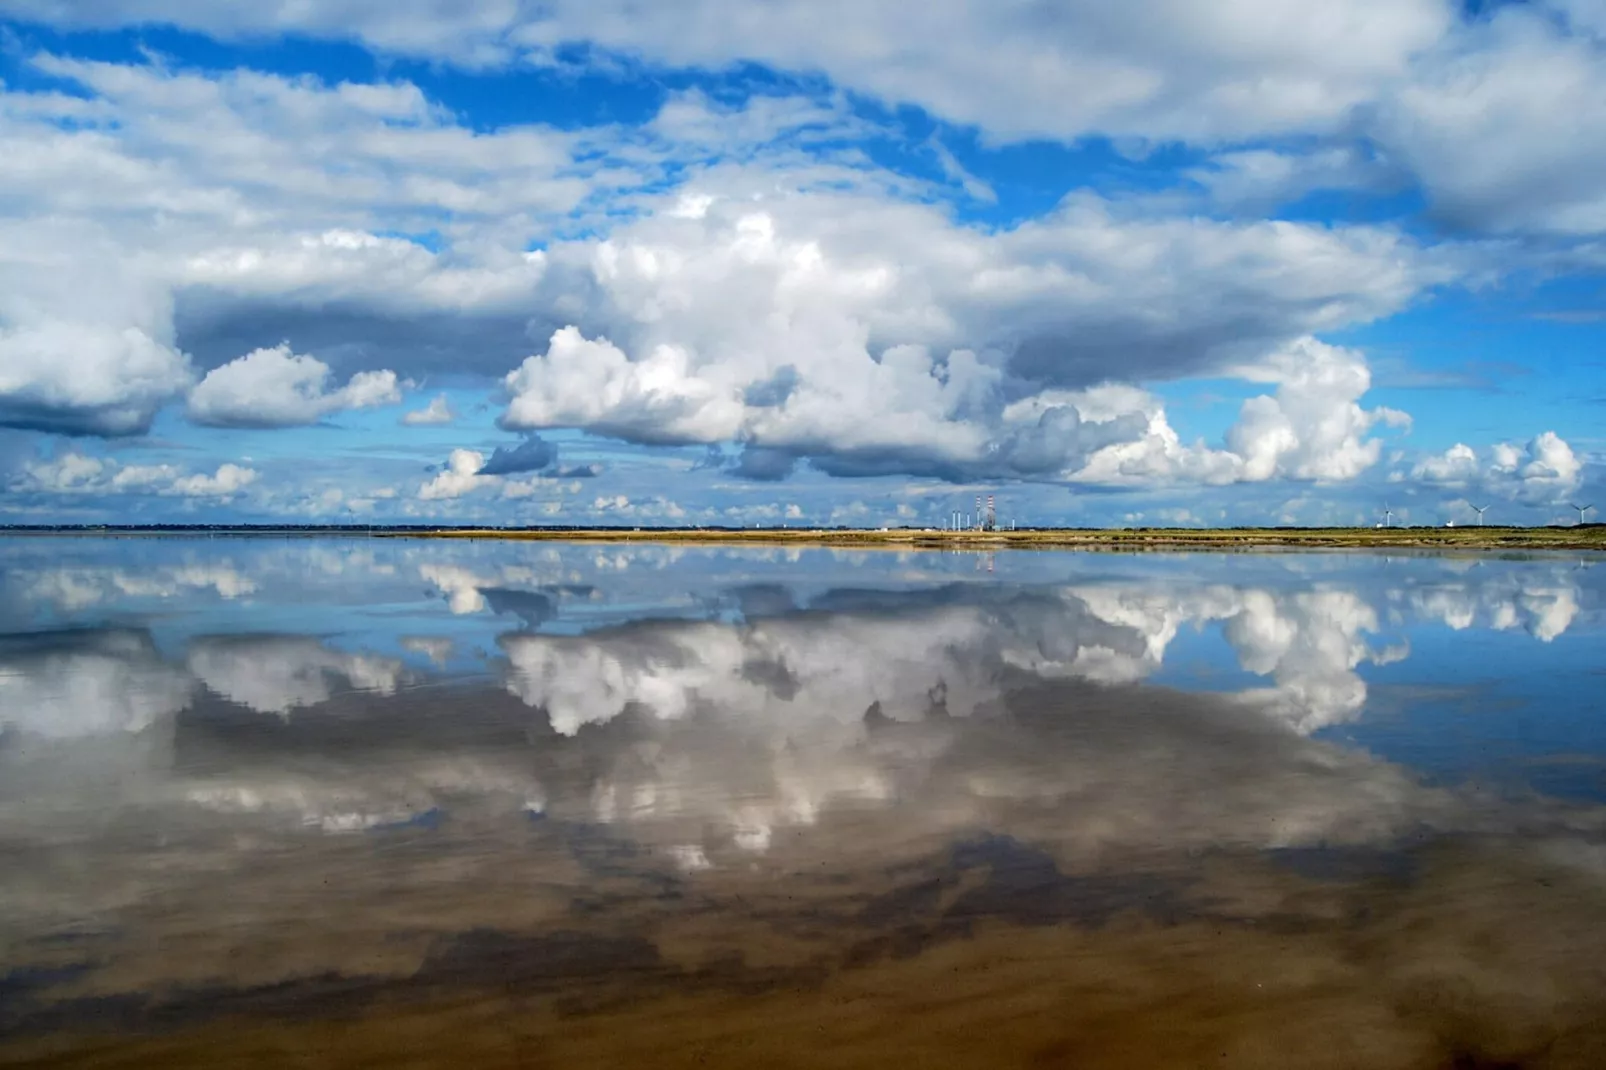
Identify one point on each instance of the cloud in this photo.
(879, 297)
(1438, 93)
(806, 309)
(468, 471)
(580, 382)
(1551, 466)
(1505, 125)
(268, 192)
(764, 465)
(1546, 471)
(82, 379)
(910, 343)
(86, 335)
(1496, 114)
(459, 476)
(314, 155)
(693, 118)
(77, 474)
(1110, 435)
(1455, 467)
(1261, 180)
(1314, 427)
(228, 480)
(744, 273)
(531, 455)
(1158, 70)
(278, 388)
(437, 412)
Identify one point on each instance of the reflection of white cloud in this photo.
(767, 720)
(1551, 611)
(89, 685)
(1307, 642)
(315, 805)
(166, 583)
(276, 674)
(1151, 614)
(1138, 770)
(336, 562)
(66, 589)
(1544, 603)
(462, 586)
(689, 857)
(1456, 606)
(364, 796)
(833, 667)
(436, 648)
(70, 589)
(745, 735)
(1310, 645)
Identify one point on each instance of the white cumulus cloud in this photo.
(75, 473)
(1314, 426)
(278, 388)
(438, 411)
(460, 475)
(1545, 471)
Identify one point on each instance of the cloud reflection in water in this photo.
(351, 752)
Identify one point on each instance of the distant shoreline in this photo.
(1585, 537)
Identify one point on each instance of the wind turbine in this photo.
(1582, 509)
(1388, 516)
(1480, 510)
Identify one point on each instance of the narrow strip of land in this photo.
(1576, 537)
(1587, 537)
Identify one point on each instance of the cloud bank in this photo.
(833, 269)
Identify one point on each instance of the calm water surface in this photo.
(407, 803)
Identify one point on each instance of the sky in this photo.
(749, 263)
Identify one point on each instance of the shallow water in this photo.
(393, 802)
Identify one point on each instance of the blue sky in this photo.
(794, 263)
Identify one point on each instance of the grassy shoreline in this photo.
(1586, 537)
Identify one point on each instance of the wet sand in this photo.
(931, 929)
(1483, 958)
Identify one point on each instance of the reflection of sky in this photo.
(292, 759)
(112, 635)
(1483, 704)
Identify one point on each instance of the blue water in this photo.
(1488, 668)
